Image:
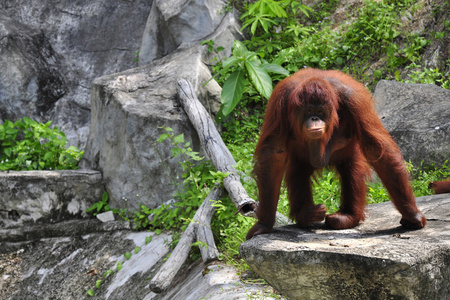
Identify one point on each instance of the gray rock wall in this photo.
(83, 40)
(127, 109)
(418, 118)
(30, 82)
(174, 22)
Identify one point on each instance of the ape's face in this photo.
(315, 119)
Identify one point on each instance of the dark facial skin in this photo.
(315, 118)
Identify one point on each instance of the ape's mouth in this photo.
(315, 132)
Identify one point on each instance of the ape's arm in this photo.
(270, 162)
(385, 157)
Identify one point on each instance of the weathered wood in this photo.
(203, 230)
(215, 148)
(202, 218)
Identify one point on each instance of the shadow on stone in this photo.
(376, 260)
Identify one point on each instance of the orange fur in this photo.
(440, 187)
(353, 140)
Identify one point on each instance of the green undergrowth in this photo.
(29, 145)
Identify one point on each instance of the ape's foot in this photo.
(417, 221)
(258, 229)
(312, 214)
(342, 221)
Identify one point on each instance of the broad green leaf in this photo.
(179, 139)
(176, 151)
(8, 151)
(11, 131)
(274, 68)
(239, 49)
(260, 79)
(105, 197)
(48, 155)
(252, 56)
(163, 137)
(127, 255)
(90, 293)
(8, 124)
(230, 62)
(277, 10)
(148, 239)
(232, 91)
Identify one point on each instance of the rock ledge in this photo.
(376, 260)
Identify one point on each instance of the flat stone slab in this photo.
(47, 197)
(376, 260)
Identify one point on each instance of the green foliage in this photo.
(98, 283)
(119, 265)
(230, 229)
(246, 68)
(199, 177)
(423, 175)
(373, 33)
(108, 273)
(327, 190)
(101, 206)
(29, 145)
(429, 76)
(267, 13)
(211, 48)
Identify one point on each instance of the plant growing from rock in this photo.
(29, 145)
(199, 177)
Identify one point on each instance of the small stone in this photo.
(106, 216)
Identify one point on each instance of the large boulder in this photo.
(376, 260)
(30, 82)
(418, 118)
(173, 23)
(81, 40)
(127, 110)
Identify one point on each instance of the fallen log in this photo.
(215, 148)
(199, 228)
(223, 161)
(203, 230)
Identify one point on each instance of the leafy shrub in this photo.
(199, 177)
(29, 145)
(246, 68)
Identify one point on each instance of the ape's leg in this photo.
(385, 157)
(392, 171)
(353, 173)
(298, 182)
(269, 170)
